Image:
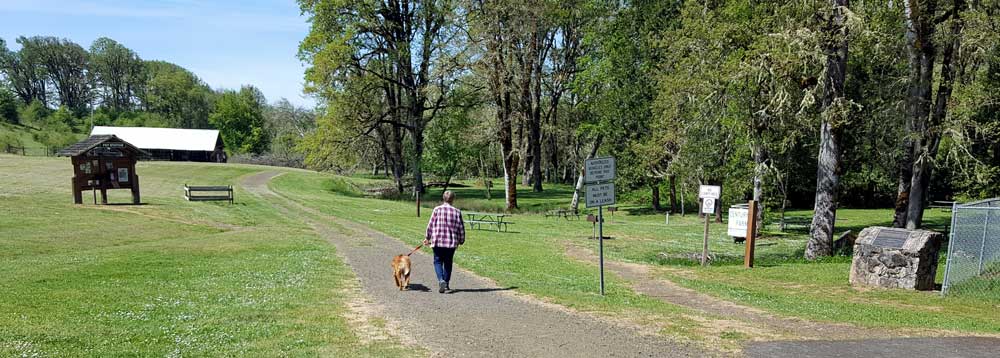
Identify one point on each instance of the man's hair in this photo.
(448, 197)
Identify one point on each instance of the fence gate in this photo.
(973, 263)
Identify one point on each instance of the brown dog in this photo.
(401, 269)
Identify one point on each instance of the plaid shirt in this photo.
(446, 227)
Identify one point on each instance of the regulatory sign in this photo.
(709, 191)
(599, 170)
(600, 194)
(707, 206)
(738, 222)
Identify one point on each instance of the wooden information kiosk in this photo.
(103, 162)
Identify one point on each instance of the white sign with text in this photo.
(709, 191)
(737, 226)
(599, 170)
(600, 194)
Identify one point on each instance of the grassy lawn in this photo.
(169, 278)
(177, 278)
(533, 259)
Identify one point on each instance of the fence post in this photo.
(986, 229)
(951, 246)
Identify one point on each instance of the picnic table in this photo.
(562, 213)
(477, 220)
(942, 204)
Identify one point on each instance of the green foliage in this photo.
(8, 107)
(288, 125)
(239, 116)
(177, 95)
(62, 117)
(141, 119)
(119, 72)
(9, 139)
(33, 114)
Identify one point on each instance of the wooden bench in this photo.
(944, 205)
(794, 221)
(217, 190)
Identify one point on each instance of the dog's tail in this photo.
(415, 250)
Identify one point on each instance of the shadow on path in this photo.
(474, 290)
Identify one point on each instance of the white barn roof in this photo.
(164, 138)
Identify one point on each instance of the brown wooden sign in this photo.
(101, 163)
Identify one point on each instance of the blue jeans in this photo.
(442, 262)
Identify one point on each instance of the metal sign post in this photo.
(599, 175)
(708, 194)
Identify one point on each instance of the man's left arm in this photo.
(430, 229)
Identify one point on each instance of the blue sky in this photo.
(226, 42)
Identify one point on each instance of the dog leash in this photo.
(415, 250)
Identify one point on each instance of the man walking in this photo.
(445, 232)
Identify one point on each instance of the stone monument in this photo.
(896, 258)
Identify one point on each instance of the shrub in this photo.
(8, 107)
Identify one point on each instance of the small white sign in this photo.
(738, 222)
(599, 170)
(709, 191)
(708, 206)
(600, 194)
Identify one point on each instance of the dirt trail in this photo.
(765, 324)
(480, 319)
(778, 336)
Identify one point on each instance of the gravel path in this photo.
(480, 319)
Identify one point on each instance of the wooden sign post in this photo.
(751, 234)
(708, 194)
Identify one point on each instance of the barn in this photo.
(175, 144)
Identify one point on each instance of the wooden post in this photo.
(77, 191)
(751, 233)
(704, 249)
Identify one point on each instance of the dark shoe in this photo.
(446, 288)
(442, 286)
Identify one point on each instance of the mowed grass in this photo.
(168, 278)
(533, 258)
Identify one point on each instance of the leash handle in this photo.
(415, 250)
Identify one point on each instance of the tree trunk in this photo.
(903, 183)
(760, 168)
(828, 160)
(673, 193)
(535, 144)
(931, 137)
(575, 203)
(418, 156)
(718, 206)
(656, 196)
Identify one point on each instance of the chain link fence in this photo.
(973, 266)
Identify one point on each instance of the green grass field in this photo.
(169, 278)
(177, 278)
